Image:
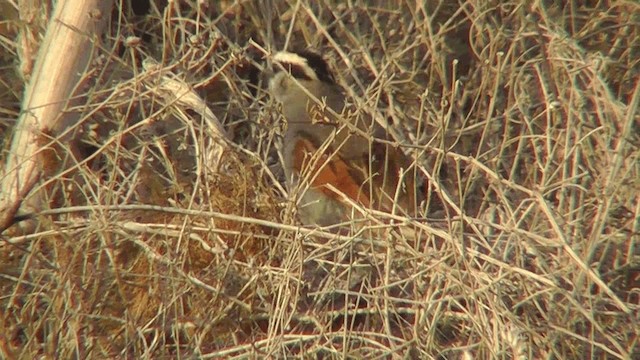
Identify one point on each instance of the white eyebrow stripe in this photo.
(284, 57)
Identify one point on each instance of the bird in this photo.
(335, 159)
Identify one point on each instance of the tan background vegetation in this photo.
(149, 242)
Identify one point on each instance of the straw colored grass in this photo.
(158, 238)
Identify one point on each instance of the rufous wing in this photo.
(326, 170)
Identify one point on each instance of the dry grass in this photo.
(525, 118)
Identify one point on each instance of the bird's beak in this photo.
(267, 73)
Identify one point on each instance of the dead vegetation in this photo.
(151, 244)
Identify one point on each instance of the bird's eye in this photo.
(319, 66)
